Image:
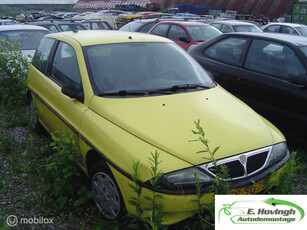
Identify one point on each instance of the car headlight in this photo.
(278, 152)
(186, 177)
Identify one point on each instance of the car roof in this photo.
(21, 27)
(185, 23)
(297, 40)
(233, 22)
(285, 24)
(95, 37)
(53, 22)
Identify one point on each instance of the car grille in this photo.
(241, 166)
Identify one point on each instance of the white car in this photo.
(29, 36)
(228, 26)
(6, 22)
(286, 28)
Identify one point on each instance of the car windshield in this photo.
(202, 33)
(246, 28)
(28, 39)
(302, 30)
(142, 67)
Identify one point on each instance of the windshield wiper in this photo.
(169, 90)
(175, 88)
(123, 93)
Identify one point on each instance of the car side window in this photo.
(161, 30)
(274, 59)
(147, 27)
(41, 56)
(52, 28)
(216, 25)
(288, 30)
(65, 68)
(226, 29)
(177, 32)
(273, 29)
(228, 50)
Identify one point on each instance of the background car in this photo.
(97, 24)
(229, 26)
(59, 26)
(185, 34)
(123, 96)
(6, 22)
(142, 25)
(267, 71)
(28, 36)
(286, 28)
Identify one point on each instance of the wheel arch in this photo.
(92, 157)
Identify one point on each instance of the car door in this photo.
(59, 113)
(288, 30)
(226, 29)
(223, 59)
(178, 34)
(161, 29)
(273, 29)
(265, 85)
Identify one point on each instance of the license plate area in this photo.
(252, 189)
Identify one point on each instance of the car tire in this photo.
(33, 117)
(106, 193)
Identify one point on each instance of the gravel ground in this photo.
(18, 192)
(17, 195)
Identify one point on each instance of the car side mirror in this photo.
(72, 92)
(300, 79)
(184, 39)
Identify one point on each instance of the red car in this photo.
(184, 33)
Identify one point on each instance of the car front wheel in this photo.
(105, 191)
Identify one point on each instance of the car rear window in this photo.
(28, 39)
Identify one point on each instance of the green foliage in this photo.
(2, 188)
(155, 218)
(221, 185)
(136, 201)
(6, 144)
(294, 166)
(12, 117)
(155, 209)
(62, 175)
(13, 74)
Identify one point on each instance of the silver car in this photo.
(286, 28)
(28, 36)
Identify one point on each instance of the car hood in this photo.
(167, 122)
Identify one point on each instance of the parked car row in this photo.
(124, 95)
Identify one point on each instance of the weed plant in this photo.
(62, 175)
(155, 208)
(13, 74)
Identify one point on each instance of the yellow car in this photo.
(126, 95)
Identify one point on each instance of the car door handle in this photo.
(241, 78)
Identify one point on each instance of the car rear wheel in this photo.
(105, 191)
(34, 123)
